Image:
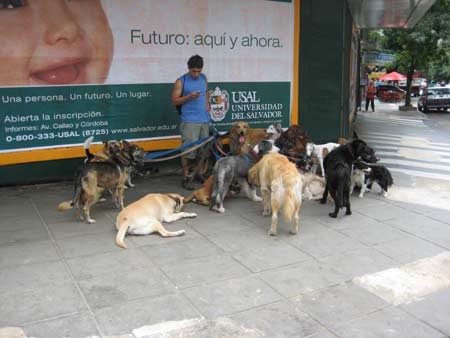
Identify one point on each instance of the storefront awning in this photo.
(388, 13)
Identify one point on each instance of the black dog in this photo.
(338, 165)
(381, 175)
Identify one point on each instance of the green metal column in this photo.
(325, 38)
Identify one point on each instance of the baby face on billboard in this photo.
(54, 42)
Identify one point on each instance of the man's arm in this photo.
(177, 99)
(208, 102)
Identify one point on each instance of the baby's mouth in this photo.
(59, 75)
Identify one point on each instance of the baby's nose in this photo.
(61, 24)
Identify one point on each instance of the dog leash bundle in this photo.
(155, 156)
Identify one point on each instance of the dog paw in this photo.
(191, 215)
(257, 199)
(221, 210)
(322, 201)
(91, 221)
(332, 214)
(266, 213)
(272, 233)
(360, 196)
(181, 232)
(348, 212)
(293, 232)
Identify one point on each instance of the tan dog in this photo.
(313, 186)
(281, 188)
(110, 149)
(243, 138)
(146, 215)
(202, 195)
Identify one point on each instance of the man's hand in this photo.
(194, 95)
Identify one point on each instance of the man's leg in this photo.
(367, 104)
(189, 133)
(372, 102)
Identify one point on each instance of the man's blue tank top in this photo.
(194, 110)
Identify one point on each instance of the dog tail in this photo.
(86, 146)
(122, 227)
(292, 194)
(66, 205)
(189, 198)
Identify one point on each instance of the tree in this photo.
(422, 47)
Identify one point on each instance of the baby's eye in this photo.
(11, 4)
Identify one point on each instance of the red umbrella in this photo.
(394, 76)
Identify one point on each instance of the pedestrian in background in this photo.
(370, 96)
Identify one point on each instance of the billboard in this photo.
(73, 69)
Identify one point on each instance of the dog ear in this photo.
(126, 145)
(178, 201)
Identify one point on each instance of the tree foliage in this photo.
(425, 47)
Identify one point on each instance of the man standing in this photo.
(191, 93)
(370, 96)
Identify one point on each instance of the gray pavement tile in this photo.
(209, 223)
(347, 222)
(358, 262)
(372, 234)
(440, 215)
(21, 221)
(27, 253)
(322, 334)
(76, 326)
(426, 228)
(387, 323)
(300, 278)
(17, 207)
(278, 320)
(117, 262)
(124, 318)
(434, 310)
(38, 304)
(276, 255)
(322, 241)
(170, 251)
(89, 244)
(231, 296)
(408, 249)
(74, 227)
(192, 272)
(113, 288)
(384, 212)
(155, 239)
(24, 235)
(32, 276)
(338, 304)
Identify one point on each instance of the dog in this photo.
(243, 138)
(373, 172)
(93, 178)
(203, 195)
(313, 186)
(146, 215)
(281, 188)
(338, 166)
(358, 177)
(318, 152)
(274, 131)
(110, 148)
(236, 167)
(292, 141)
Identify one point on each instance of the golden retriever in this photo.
(146, 215)
(243, 138)
(281, 188)
(203, 194)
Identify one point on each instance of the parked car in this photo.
(390, 93)
(434, 98)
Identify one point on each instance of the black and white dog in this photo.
(236, 167)
(338, 167)
(365, 174)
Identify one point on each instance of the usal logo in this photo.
(219, 100)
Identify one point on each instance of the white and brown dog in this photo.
(145, 216)
(318, 152)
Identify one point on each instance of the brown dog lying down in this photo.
(243, 138)
(202, 195)
(146, 215)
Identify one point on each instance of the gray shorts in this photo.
(191, 132)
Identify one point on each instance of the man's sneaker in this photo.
(187, 183)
